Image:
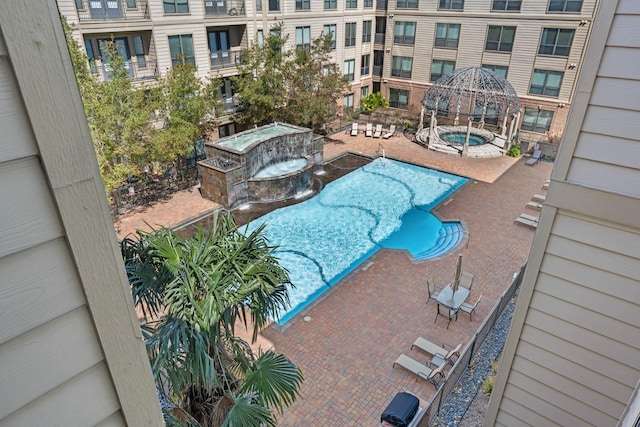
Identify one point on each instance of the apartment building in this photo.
(397, 47)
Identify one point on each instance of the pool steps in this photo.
(449, 236)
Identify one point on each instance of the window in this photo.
(330, 4)
(404, 32)
(506, 5)
(303, 38)
(181, 50)
(274, 5)
(366, 31)
(258, 5)
(331, 29)
(565, 6)
(350, 69)
(138, 51)
(440, 68)
(401, 66)
(349, 34)
(348, 101)
(79, 5)
(500, 38)
(398, 98)
(364, 64)
(352, 4)
(260, 38)
(451, 4)
(364, 91)
(406, 4)
(546, 82)
(556, 41)
(500, 70)
(447, 35)
(536, 120)
(489, 112)
(303, 4)
(176, 6)
(368, 3)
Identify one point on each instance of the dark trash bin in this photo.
(401, 410)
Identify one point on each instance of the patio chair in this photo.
(470, 308)
(432, 290)
(528, 220)
(390, 133)
(354, 129)
(420, 370)
(378, 131)
(535, 157)
(466, 280)
(539, 197)
(369, 130)
(534, 205)
(433, 349)
(446, 312)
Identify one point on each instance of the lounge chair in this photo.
(432, 290)
(534, 205)
(378, 131)
(369, 130)
(529, 220)
(535, 157)
(392, 131)
(420, 370)
(545, 186)
(433, 349)
(466, 280)
(354, 129)
(539, 197)
(470, 308)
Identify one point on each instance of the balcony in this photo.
(224, 8)
(111, 10)
(229, 105)
(137, 70)
(379, 38)
(225, 58)
(377, 70)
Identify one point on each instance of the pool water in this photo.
(384, 204)
(460, 137)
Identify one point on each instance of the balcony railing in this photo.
(222, 8)
(137, 71)
(377, 70)
(225, 58)
(229, 105)
(112, 10)
(379, 38)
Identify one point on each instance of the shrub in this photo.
(514, 151)
(489, 382)
(373, 101)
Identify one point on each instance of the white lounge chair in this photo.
(539, 197)
(534, 205)
(378, 131)
(392, 131)
(545, 186)
(354, 129)
(529, 220)
(420, 370)
(433, 349)
(369, 130)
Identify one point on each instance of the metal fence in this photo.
(433, 407)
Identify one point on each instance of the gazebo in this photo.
(475, 94)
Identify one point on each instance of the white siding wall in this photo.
(573, 350)
(57, 364)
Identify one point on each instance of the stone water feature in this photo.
(269, 163)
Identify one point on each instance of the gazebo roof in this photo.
(467, 89)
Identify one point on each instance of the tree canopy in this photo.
(299, 86)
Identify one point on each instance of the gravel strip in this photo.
(466, 405)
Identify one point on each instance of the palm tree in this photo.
(192, 291)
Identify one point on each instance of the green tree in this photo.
(373, 101)
(296, 86)
(195, 289)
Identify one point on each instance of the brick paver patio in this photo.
(347, 347)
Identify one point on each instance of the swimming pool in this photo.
(384, 204)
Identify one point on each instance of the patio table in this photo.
(452, 300)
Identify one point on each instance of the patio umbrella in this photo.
(456, 279)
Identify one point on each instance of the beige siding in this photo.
(65, 357)
(572, 354)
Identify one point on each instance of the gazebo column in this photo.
(432, 128)
(421, 124)
(456, 121)
(504, 126)
(484, 113)
(465, 147)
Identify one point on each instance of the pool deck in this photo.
(347, 348)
